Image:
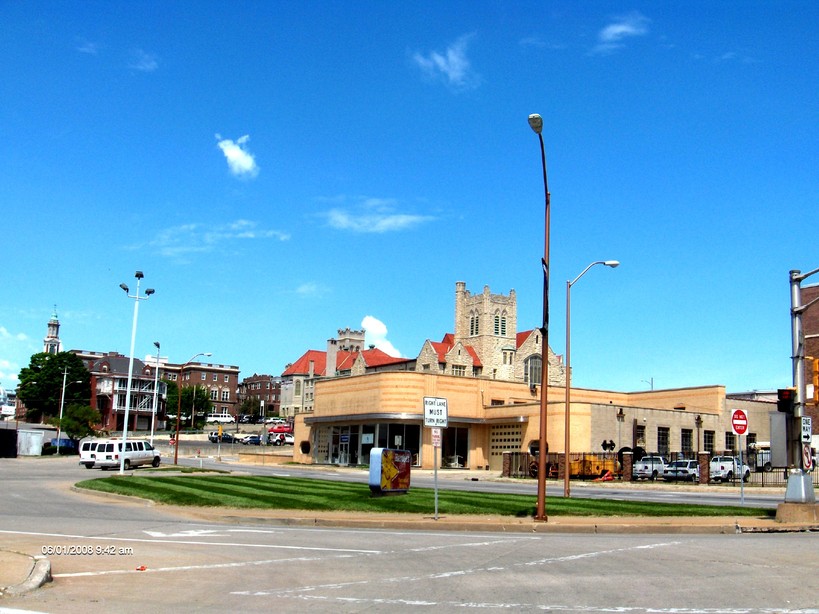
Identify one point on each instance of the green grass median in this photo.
(287, 493)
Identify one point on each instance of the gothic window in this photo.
(532, 369)
(474, 325)
(226, 395)
(500, 325)
(459, 370)
(213, 394)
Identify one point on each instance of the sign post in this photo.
(436, 416)
(739, 424)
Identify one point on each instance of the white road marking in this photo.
(118, 572)
(187, 542)
(454, 572)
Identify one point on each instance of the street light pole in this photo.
(156, 392)
(179, 402)
(148, 292)
(567, 407)
(536, 123)
(62, 404)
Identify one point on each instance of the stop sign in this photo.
(739, 422)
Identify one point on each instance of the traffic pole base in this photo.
(800, 488)
(798, 513)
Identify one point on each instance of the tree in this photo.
(78, 421)
(250, 406)
(196, 397)
(41, 384)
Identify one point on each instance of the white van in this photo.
(87, 449)
(137, 452)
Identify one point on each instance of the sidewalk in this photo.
(20, 573)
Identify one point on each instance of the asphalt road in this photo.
(117, 555)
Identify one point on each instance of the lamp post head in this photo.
(139, 275)
(150, 291)
(612, 263)
(536, 123)
(124, 287)
(156, 344)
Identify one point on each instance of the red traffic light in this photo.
(785, 400)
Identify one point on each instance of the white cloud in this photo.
(452, 66)
(373, 215)
(376, 334)
(12, 344)
(311, 290)
(84, 46)
(178, 241)
(612, 36)
(240, 161)
(143, 62)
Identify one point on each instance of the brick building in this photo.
(267, 389)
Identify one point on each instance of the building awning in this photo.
(406, 417)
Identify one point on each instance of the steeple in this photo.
(52, 343)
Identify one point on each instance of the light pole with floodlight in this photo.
(148, 292)
(536, 123)
(179, 402)
(156, 392)
(567, 407)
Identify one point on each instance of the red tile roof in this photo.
(344, 361)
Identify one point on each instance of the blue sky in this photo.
(280, 170)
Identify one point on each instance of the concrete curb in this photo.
(39, 572)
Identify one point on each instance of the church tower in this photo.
(488, 322)
(52, 343)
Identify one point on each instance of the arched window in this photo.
(474, 324)
(533, 369)
(500, 324)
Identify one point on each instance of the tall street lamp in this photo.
(62, 404)
(536, 123)
(156, 391)
(179, 403)
(148, 292)
(567, 408)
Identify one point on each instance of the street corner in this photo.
(21, 573)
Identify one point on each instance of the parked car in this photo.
(682, 470)
(281, 439)
(648, 468)
(219, 419)
(252, 440)
(727, 468)
(225, 438)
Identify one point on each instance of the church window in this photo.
(474, 325)
(533, 368)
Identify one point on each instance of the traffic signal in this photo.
(785, 400)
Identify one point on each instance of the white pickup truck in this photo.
(648, 468)
(726, 468)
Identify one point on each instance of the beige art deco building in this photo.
(490, 376)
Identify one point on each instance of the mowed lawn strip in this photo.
(263, 492)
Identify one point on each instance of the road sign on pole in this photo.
(807, 457)
(435, 412)
(807, 431)
(739, 422)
